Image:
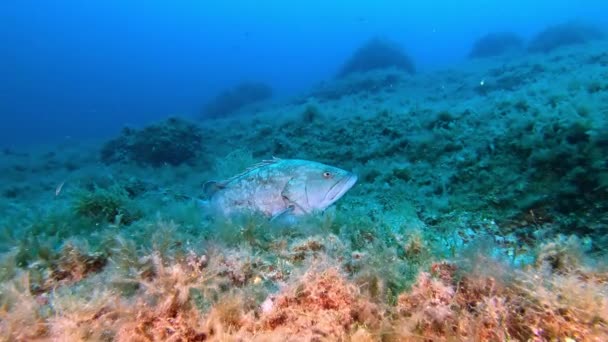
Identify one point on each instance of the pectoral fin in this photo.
(281, 213)
(294, 195)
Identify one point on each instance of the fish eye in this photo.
(326, 174)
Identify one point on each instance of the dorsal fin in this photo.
(252, 168)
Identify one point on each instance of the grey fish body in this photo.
(279, 186)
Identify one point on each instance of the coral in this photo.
(172, 142)
(496, 44)
(565, 34)
(231, 100)
(377, 53)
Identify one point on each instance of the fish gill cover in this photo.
(478, 213)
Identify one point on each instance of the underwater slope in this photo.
(479, 214)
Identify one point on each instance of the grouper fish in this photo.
(280, 187)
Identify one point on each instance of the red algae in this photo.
(321, 306)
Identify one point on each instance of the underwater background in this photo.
(85, 69)
(477, 130)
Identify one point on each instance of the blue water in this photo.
(84, 69)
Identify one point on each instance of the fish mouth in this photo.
(340, 188)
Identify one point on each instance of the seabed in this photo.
(480, 214)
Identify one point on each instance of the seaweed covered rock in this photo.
(231, 100)
(496, 44)
(369, 83)
(174, 141)
(442, 306)
(106, 205)
(565, 34)
(377, 53)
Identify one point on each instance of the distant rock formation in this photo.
(231, 100)
(171, 142)
(565, 34)
(377, 53)
(496, 44)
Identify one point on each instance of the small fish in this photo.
(280, 186)
(59, 188)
